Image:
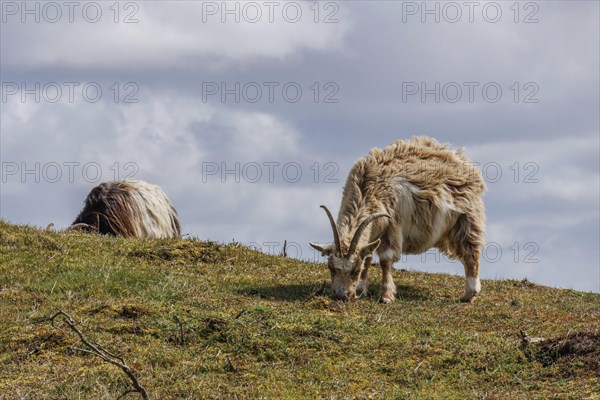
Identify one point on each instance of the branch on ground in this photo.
(105, 355)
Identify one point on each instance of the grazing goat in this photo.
(405, 199)
(129, 208)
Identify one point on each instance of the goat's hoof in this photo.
(468, 298)
(386, 299)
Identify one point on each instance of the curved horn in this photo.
(82, 225)
(336, 235)
(360, 230)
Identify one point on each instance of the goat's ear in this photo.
(325, 249)
(370, 248)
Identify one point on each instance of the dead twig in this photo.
(527, 340)
(105, 355)
(181, 338)
(418, 366)
(230, 365)
(284, 252)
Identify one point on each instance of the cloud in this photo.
(546, 153)
(166, 140)
(180, 35)
(543, 169)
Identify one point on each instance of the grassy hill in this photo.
(197, 320)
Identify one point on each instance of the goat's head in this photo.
(346, 267)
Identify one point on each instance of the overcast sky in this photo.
(250, 115)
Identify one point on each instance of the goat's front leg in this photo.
(388, 289)
(363, 284)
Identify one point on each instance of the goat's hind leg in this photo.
(466, 240)
(472, 282)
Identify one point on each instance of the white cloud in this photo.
(256, 136)
(168, 139)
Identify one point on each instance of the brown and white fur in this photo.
(130, 208)
(405, 199)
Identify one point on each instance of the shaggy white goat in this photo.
(130, 208)
(405, 199)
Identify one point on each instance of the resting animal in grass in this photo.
(130, 208)
(405, 199)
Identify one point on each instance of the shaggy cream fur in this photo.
(130, 208)
(432, 195)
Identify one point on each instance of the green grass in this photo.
(273, 319)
